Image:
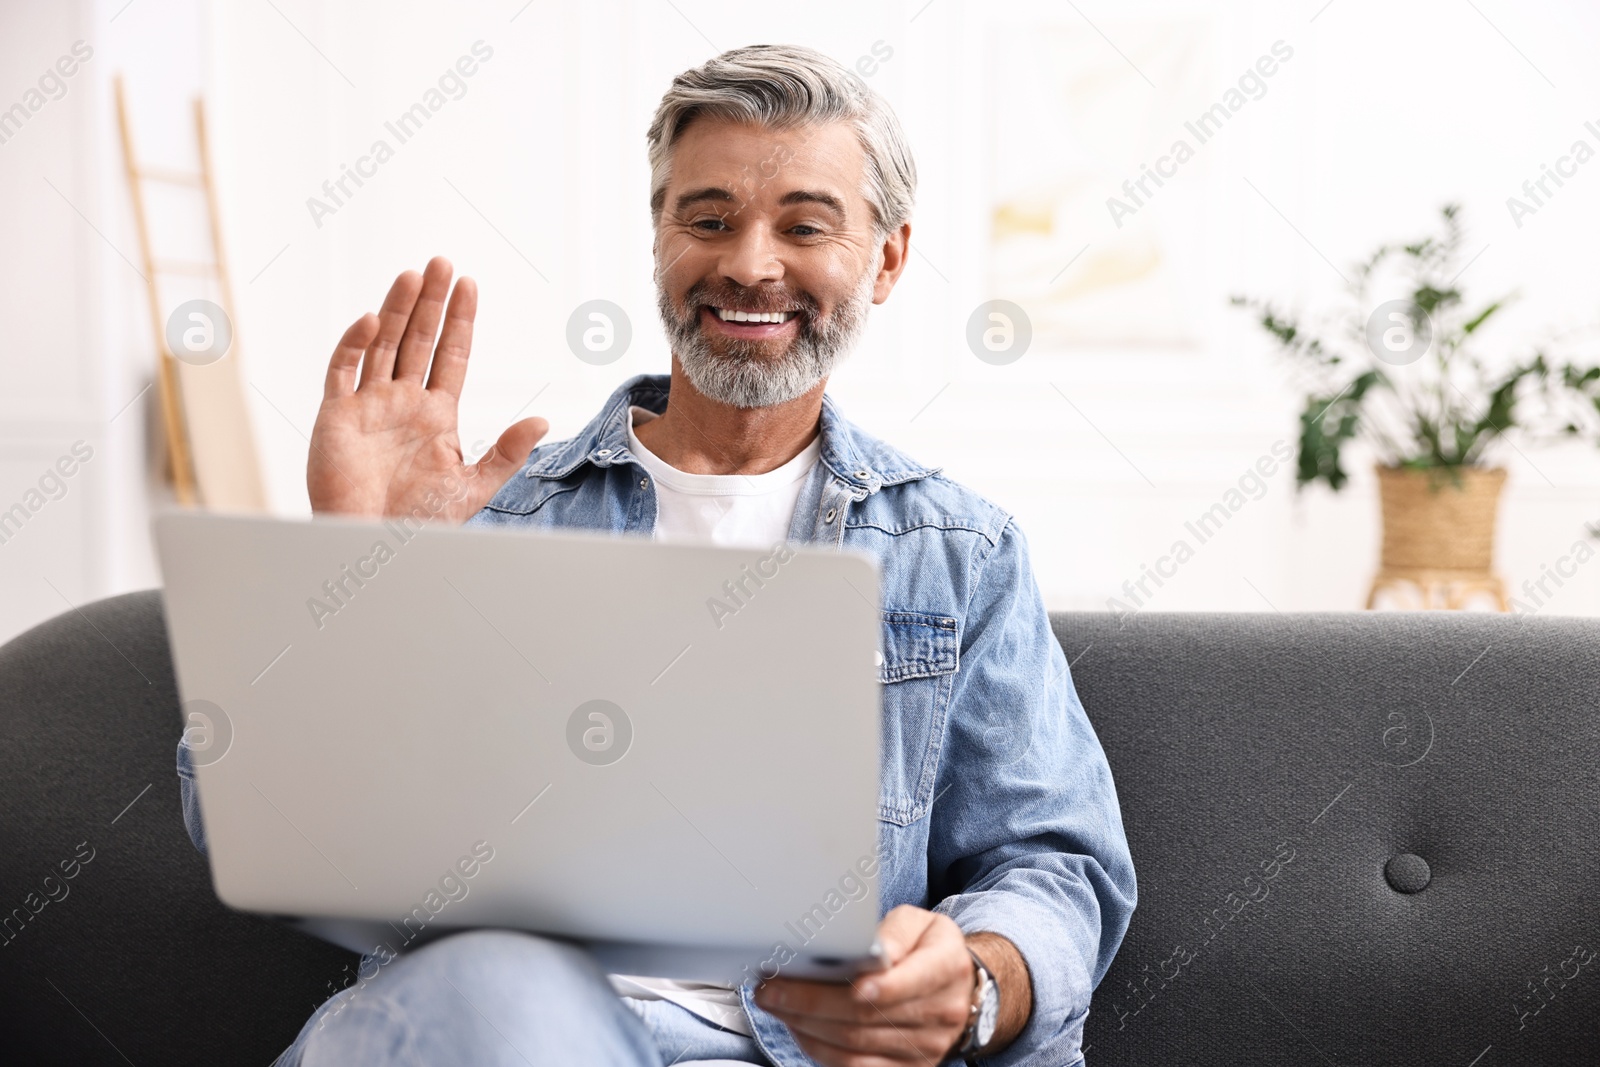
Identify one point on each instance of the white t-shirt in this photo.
(747, 510)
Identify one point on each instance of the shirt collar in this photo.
(854, 457)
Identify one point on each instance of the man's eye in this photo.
(706, 224)
(803, 226)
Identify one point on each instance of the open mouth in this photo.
(734, 315)
(736, 322)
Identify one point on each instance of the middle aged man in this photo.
(781, 190)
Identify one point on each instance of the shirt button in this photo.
(603, 452)
(644, 483)
(829, 516)
(861, 474)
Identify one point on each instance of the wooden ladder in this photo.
(211, 453)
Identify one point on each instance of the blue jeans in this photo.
(496, 998)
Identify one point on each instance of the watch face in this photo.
(988, 1012)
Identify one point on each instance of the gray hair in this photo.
(782, 87)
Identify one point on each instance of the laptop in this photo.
(666, 753)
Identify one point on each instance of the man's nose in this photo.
(752, 257)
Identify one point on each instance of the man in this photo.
(781, 191)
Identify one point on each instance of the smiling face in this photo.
(767, 257)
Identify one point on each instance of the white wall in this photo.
(75, 362)
(535, 183)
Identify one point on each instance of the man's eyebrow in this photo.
(808, 196)
(717, 194)
(697, 196)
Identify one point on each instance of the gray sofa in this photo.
(1361, 839)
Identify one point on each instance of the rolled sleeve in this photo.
(1027, 840)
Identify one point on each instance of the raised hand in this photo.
(388, 444)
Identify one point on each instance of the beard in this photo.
(747, 374)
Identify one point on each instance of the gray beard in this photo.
(744, 376)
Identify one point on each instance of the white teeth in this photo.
(753, 316)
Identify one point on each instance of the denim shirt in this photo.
(996, 805)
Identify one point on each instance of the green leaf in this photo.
(1482, 316)
(1430, 299)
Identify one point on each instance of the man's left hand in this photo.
(915, 1011)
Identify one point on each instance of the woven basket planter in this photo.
(1432, 522)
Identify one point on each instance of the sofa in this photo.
(1360, 839)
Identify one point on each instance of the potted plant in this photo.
(1403, 375)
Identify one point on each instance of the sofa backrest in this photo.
(1359, 838)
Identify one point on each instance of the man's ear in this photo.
(894, 252)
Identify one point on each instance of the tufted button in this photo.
(1408, 873)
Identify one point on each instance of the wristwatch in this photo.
(985, 1013)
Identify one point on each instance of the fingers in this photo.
(507, 455)
(937, 960)
(401, 346)
(797, 998)
(907, 934)
(824, 1037)
(416, 345)
(915, 1009)
(455, 340)
(392, 318)
(861, 1049)
(901, 929)
(855, 1033)
(921, 985)
(341, 380)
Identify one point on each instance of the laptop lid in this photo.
(669, 752)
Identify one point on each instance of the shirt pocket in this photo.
(517, 498)
(920, 659)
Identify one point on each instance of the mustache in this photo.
(747, 299)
